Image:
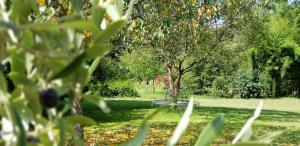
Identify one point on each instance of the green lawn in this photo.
(122, 123)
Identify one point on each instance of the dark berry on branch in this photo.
(49, 98)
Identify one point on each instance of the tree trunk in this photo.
(153, 86)
(174, 83)
(178, 84)
(171, 84)
(147, 86)
(77, 110)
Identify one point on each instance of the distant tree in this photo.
(184, 34)
(143, 65)
(224, 64)
(109, 69)
(274, 50)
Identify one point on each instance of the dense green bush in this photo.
(185, 92)
(114, 88)
(123, 88)
(220, 83)
(109, 80)
(268, 86)
(201, 83)
(109, 69)
(220, 86)
(249, 88)
(198, 87)
(252, 90)
(100, 89)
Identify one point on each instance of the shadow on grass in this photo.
(121, 110)
(127, 110)
(242, 113)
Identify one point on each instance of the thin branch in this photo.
(5, 17)
(218, 42)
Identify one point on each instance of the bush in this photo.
(123, 88)
(220, 86)
(114, 88)
(185, 93)
(199, 86)
(268, 86)
(252, 90)
(223, 86)
(109, 69)
(220, 83)
(249, 88)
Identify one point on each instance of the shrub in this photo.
(185, 93)
(123, 88)
(220, 86)
(220, 83)
(249, 88)
(223, 86)
(267, 83)
(101, 89)
(114, 88)
(252, 90)
(109, 69)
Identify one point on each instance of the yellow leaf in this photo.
(194, 2)
(198, 15)
(208, 13)
(42, 2)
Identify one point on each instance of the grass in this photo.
(282, 104)
(122, 123)
(159, 90)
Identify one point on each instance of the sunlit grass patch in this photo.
(122, 123)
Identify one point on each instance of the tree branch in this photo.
(218, 42)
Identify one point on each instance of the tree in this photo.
(48, 58)
(109, 69)
(184, 34)
(143, 65)
(274, 56)
(224, 65)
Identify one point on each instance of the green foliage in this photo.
(223, 86)
(211, 131)
(219, 83)
(182, 44)
(110, 79)
(44, 51)
(273, 50)
(222, 67)
(49, 52)
(108, 70)
(120, 88)
(248, 88)
(268, 85)
(278, 68)
(123, 88)
(142, 64)
(185, 93)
